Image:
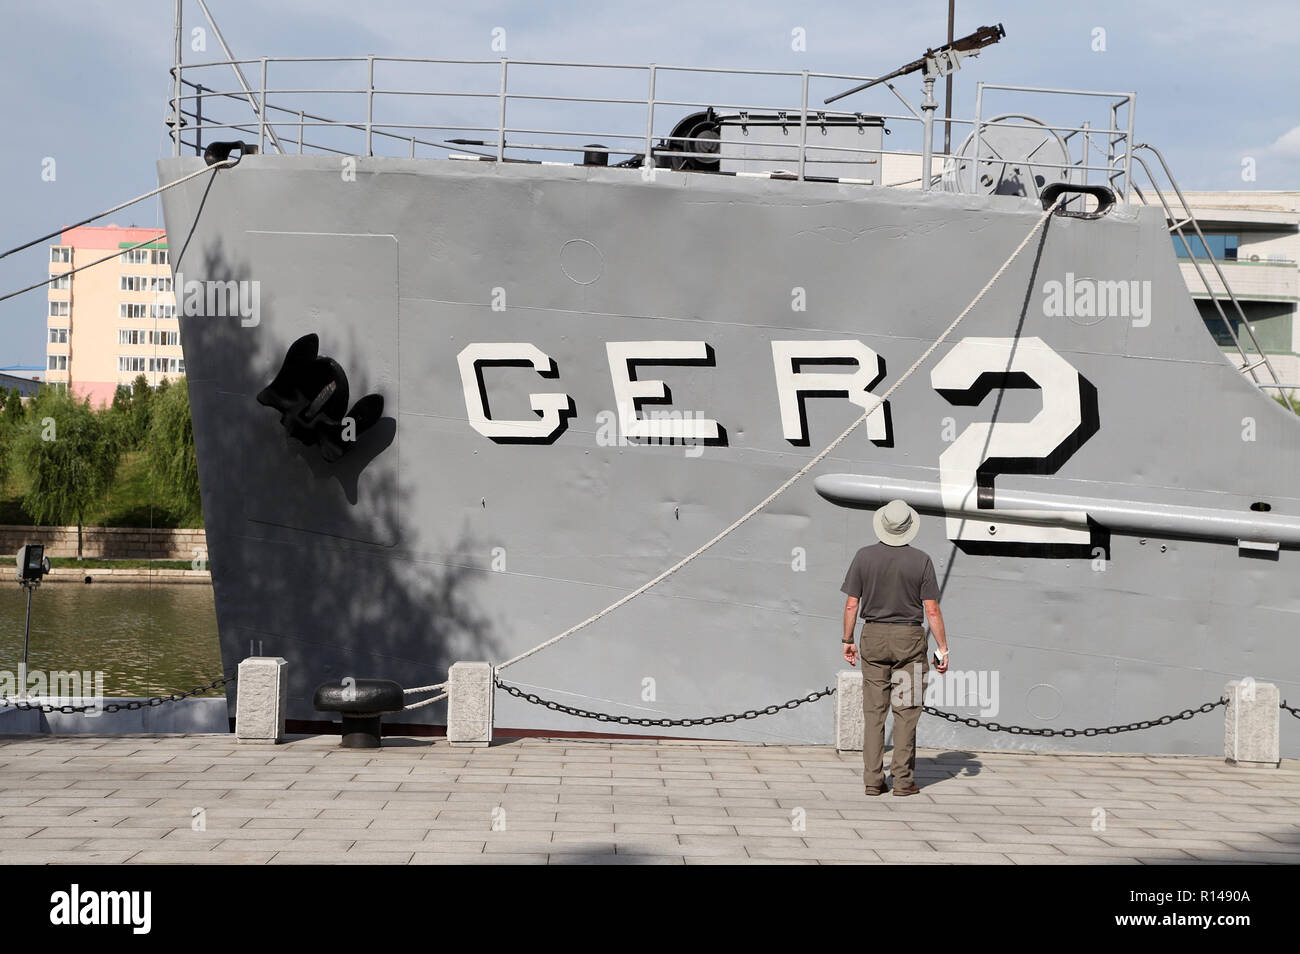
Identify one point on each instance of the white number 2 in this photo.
(966, 376)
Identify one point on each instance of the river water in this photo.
(146, 639)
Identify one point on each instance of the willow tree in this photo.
(141, 406)
(69, 457)
(171, 450)
(11, 420)
(13, 413)
(11, 410)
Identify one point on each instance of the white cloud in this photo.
(1287, 145)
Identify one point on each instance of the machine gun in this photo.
(937, 62)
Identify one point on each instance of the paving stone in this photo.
(944, 857)
(619, 859)
(83, 800)
(51, 843)
(461, 858)
(103, 831)
(733, 860)
(112, 856)
(171, 857)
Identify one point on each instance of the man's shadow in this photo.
(946, 765)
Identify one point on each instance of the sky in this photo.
(87, 80)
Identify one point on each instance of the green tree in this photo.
(141, 406)
(13, 412)
(70, 459)
(118, 418)
(171, 450)
(44, 394)
(11, 406)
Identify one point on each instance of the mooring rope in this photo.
(72, 271)
(425, 702)
(117, 208)
(225, 163)
(803, 471)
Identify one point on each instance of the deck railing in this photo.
(537, 111)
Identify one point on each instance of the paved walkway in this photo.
(139, 799)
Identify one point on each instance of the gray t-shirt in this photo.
(890, 583)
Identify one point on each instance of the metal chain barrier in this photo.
(726, 718)
(1291, 709)
(1071, 733)
(665, 723)
(131, 706)
(974, 723)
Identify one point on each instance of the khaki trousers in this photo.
(894, 667)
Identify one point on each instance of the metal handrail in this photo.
(803, 123)
(322, 121)
(1249, 366)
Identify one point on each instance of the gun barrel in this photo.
(984, 36)
(901, 71)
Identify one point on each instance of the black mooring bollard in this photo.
(361, 703)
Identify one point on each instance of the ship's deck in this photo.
(78, 799)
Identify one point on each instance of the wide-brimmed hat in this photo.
(896, 523)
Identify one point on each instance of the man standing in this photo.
(892, 584)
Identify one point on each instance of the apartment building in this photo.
(109, 324)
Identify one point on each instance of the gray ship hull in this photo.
(485, 513)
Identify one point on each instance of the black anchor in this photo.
(311, 394)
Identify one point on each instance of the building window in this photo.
(135, 256)
(130, 310)
(180, 366)
(130, 336)
(1222, 247)
(125, 363)
(58, 362)
(58, 336)
(158, 256)
(165, 338)
(60, 309)
(63, 282)
(166, 365)
(61, 254)
(162, 311)
(160, 284)
(135, 283)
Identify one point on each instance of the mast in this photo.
(947, 96)
(176, 79)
